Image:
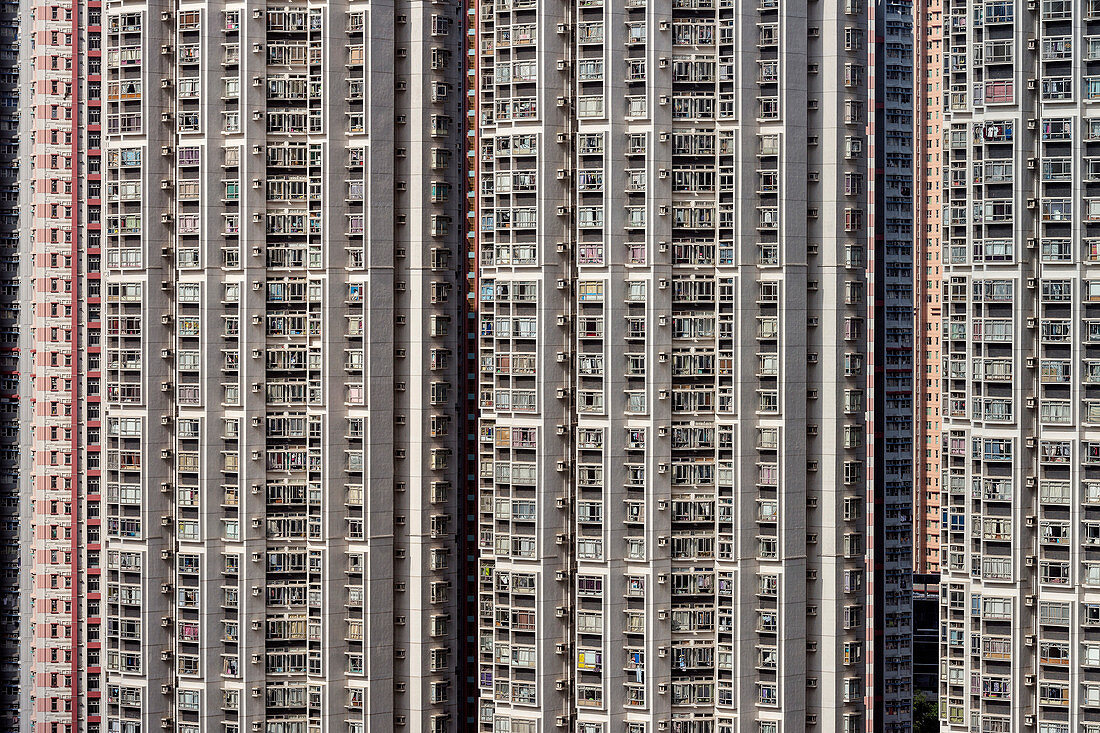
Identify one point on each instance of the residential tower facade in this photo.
(61, 664)
(1020, 593)
(695, 366)
(927, 274)
(254, 309)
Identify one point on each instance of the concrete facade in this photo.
(695, 366)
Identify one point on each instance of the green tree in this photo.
(925, 715)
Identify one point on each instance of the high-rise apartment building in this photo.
(1020, 590)
(62, 679)
(695, 365)
(928, 131)
(10, 495)
(253, 305)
